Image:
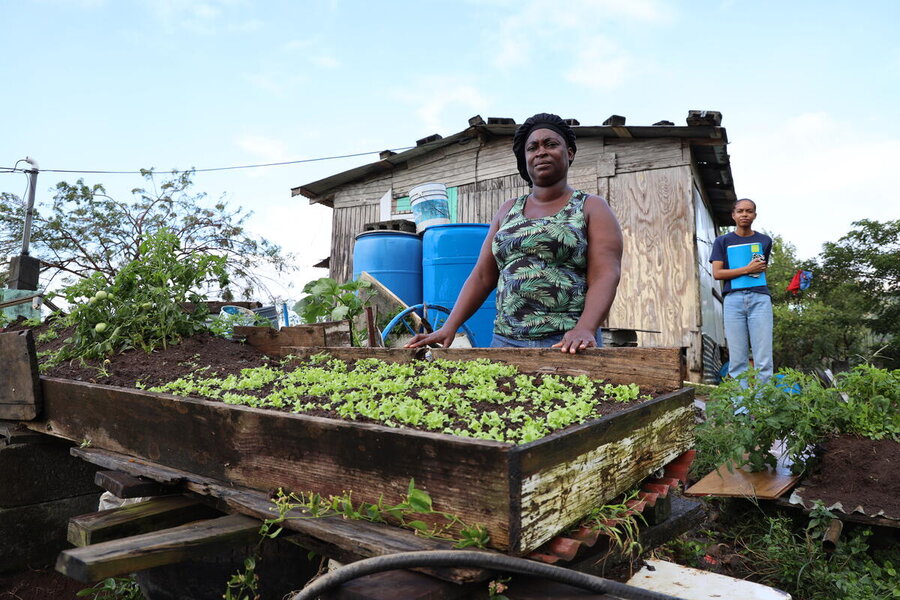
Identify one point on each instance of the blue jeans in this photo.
(499, 341)
(748, 326)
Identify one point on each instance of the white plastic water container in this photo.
(429, 205)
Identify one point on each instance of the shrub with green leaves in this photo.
(143, 306)
(327, 300)
(780, 554)
(744, 417)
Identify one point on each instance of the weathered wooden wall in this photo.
(648, 183)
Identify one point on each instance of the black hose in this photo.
(471, 558)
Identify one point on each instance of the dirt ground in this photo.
(42, 584)
(858, 472)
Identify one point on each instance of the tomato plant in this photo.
(144, 305)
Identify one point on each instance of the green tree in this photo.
(852, 309)
(861, 273)
(83, 231)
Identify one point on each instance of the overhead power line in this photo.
(209, 170)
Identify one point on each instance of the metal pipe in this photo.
(29, 211)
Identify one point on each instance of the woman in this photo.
(554, 255)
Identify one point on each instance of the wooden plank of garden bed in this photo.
(659, 368)
(20, 391)
(132, 519)
(168, 546)
(564, 475)
(267, 449)
(335, 537)
(270, 341)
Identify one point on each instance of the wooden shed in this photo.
(670, 187)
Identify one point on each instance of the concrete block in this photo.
(35, 473)
(32, 536)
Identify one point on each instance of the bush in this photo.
(744, 417)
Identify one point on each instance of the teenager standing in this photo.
(747, 301)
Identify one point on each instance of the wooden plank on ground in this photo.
(334, 537)
(116, 557)
(743, 483)
(133, 519)
(659, 368)
(386, 302)
(123, 485)
(20, 391)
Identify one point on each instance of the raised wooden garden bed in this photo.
(523, 494)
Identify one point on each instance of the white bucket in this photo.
(429, 205)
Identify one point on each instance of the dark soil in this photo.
(218, 357)
(222, 356)
(858, 472)
(44, 584)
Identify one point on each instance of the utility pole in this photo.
(24, 270)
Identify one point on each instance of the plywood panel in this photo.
(744, 483)
(658, 289)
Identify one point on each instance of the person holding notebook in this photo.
(740, 258)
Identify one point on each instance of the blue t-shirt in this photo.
(720, 252)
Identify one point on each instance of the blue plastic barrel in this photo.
(394, 258)
(449, 252)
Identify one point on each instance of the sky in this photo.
(809, 93)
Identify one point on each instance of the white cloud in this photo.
(264, 150)
(599, 65)
(203, 18)
(278, 84)
(434, 97)
(531, 31)
(813, 175)
(325, 62)
(314, 51)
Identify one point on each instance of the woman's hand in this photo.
(577, 339)
(443, 336)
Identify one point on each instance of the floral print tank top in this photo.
(543, 267)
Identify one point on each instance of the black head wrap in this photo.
(539, 121)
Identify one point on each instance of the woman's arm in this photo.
(603, 271)
(478, 286)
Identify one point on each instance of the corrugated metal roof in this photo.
(707, 141)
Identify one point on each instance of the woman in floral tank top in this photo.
(554, 255)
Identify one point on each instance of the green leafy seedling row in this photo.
(477, 399)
